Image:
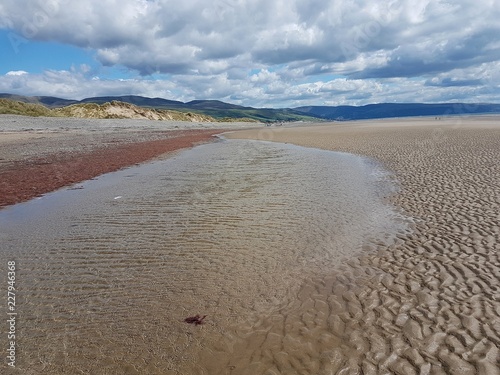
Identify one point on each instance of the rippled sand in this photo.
(429, 304)
(109, 270)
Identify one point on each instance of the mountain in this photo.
(47, 101)
(140, 101)
(388, 110)
(222, 111)
(214, 104)
(227, 111)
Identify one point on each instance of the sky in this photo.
(260, 53)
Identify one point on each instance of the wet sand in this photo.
(429, 303)
(39, 155)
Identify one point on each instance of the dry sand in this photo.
(429, 304)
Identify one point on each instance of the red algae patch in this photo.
(22, 180)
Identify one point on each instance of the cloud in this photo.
(16, 73)
(453, 82)
(301, 41)
(266, 88)
(77, 85)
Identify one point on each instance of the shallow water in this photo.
(108, 272)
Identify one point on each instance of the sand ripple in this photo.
(429, 304)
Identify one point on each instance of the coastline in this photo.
(429, 302)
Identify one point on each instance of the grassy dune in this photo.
(111, 110)
(13, 107)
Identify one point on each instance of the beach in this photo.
(429, 304)
(342, 248)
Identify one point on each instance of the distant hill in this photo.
(222, 111)
(140, 101)
(214, 104)
(47, 101)
(388, 110)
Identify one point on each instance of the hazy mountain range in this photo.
(220, 110)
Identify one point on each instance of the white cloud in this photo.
(16, 73)
(213, 48)
(268, 89)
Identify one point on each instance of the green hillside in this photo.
(13, 107)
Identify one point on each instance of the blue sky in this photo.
(271, 53)
(35, 57)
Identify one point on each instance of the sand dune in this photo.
(429, 303)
